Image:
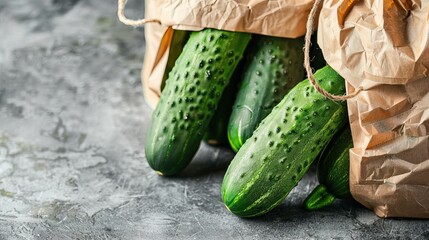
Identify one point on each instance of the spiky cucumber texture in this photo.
(190, 97)
(271, 163)
(272, 67)
(217, 132)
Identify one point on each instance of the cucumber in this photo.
(178, 41)
(332, 172)
(190, 97)
(217, 132)
(282, 148)
(273, 66)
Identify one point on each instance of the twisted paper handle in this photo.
(310, 24)
(129, 22)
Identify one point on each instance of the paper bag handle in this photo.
(129, 22)
(309, 31)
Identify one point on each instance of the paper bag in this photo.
(282, 18)
(382, 47)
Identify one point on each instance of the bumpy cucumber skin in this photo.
(283, 147)
(332, 172)
(190, 97)
(217, 132)
(273, 66)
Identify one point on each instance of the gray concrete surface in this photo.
(72, 133)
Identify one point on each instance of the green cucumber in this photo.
(282, 148)
(217, 131)
(272, 67)
(178, 41)
(332, 172)
(190, 97)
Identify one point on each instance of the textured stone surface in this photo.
(72, 127)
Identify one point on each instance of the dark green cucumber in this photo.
(178, 41)
(332, 172)
(273, 66)
(217, 132)
(282, 148)
(190, 97)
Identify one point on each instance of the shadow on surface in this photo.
(209, 159)
(294, 211)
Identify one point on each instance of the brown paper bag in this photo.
(382, 47)
(282, 18)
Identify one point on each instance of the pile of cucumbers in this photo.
(248, 90)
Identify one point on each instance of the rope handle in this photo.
(129, 22)
(310, 25)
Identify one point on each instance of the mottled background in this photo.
(72, 127)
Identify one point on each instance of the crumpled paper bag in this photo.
(282, 18)
(382, 46)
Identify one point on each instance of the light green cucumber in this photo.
(190, 97)
(271, 163)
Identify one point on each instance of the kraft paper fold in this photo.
(382, 46)
(282, 18)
